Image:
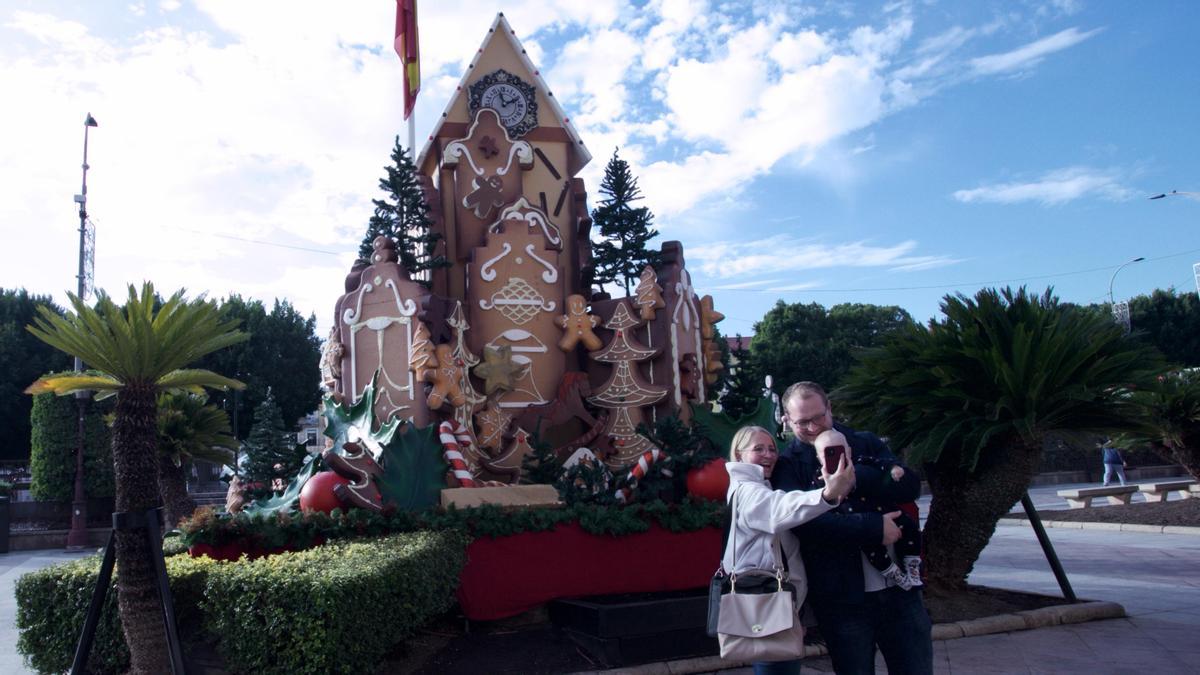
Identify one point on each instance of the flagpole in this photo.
(412, 135)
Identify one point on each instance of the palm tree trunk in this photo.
(134, 454)
(965, 508)
(172, 486)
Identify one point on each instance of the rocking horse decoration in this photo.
(511, 346)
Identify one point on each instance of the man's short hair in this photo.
(804, 390)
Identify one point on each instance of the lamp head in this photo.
(90, 121)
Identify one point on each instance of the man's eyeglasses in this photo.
(809, 421)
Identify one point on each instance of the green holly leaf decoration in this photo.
(414, 470)
(339, 418)
(720, 428)
(289, 499)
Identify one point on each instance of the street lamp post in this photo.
(1120, 311)
(1114, 276)
(77, 537)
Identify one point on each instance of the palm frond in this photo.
(69, 383)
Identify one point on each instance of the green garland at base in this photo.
(279, 529)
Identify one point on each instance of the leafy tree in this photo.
(22, 359)
(283, 354)
(622, 255)
(189, 428)
(136, 351)
(974, 395)
(54, 438)
(1171, 416)
(404, 217)
(271, 450)
(795, 342)
(745, 385)
(1170, 321)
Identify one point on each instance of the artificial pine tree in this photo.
(622, 254)
(404, 217)
(745, 387)
(271, 450)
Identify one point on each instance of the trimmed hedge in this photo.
(52, 604)
(53, 437)
(337, 608)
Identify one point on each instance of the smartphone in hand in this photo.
(833, 457)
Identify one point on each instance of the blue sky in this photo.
(885, 153)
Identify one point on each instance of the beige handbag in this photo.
(758, 620)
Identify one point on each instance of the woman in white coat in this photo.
(763, 513)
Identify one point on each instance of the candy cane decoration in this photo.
(455, 437)
(638, 471)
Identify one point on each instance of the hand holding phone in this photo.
(833, 457)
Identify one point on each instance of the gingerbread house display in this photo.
(512, 342)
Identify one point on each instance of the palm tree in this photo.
(1171, 417)
(189, 428)
(137, 352)
(972, 397)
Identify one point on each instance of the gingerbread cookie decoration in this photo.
(357, 464)
(498, 371)
(423, 358)
(491, 424)
(446, 376)
(578, 326)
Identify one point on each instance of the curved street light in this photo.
(1114, 276)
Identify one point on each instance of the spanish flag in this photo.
(408, 51)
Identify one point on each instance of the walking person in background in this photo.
(1114, 463)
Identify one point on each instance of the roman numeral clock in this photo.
(512, 98)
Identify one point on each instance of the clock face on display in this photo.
(508, 102)
(513, 99)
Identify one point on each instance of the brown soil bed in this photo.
(976, 602)
(1185, 512)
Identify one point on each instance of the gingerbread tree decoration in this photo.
(649, 294)
(462, 413)
(626, 391)
(422, 352)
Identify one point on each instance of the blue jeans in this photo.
(894, 620)
(777, 667)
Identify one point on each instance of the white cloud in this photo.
(784, 253)
(1053, 188)
(1031, 54)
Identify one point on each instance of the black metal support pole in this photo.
(84, 648)
(1048, 548)
(154, 541)
(150, 521)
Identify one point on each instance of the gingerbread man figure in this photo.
(445, 375)
(577, 326)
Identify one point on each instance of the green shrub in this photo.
(334, 608)
(52, 604)
(53, 439)
(337, 608)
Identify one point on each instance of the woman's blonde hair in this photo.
(741, 440)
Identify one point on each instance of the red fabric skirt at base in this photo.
(509, 575)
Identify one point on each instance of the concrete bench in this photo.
(1081, 498)
(1157, 492)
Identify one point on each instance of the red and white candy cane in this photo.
(455, 438)
(638, 471)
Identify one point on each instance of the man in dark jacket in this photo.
(856, 608)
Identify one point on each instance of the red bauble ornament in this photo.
(710, 481)
(317, 493)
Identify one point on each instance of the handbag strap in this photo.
(776, 550)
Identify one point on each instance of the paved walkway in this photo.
(12, 566)
(1155, 576)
